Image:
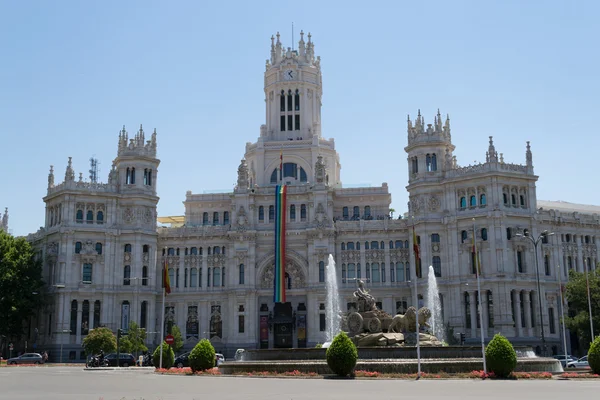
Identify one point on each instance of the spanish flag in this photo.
(166, 280)
(417, 255)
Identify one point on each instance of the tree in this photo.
(100, 339)
(20, 285)
(178, 344)
(578, 320)
(136, 337)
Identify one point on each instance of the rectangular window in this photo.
(520, 261)
(297, 122)
(322, 322)
(282, 123)
(289, 124)
(86, 276)
(303, 212)
(551, 318)
(240, 324)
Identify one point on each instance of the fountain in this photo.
(332, 310)
(434, 304)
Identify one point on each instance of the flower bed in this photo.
(576, 375)
(365, 374)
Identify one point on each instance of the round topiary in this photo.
(168, 356)
(342, 355)
(594, 355)
(202, 356)
(500, 356)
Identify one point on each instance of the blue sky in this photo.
(74, 72)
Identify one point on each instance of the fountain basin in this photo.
(379, 353)
(397, 366)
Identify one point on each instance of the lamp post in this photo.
(587, 282)
(535, 242)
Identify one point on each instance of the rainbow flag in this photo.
(280, 209)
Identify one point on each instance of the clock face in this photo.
(289, 75)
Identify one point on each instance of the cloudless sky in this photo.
(73, 72)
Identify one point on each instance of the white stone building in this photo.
(103, 253)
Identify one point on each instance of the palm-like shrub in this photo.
(342, 355)
(594, 355)
(168, 356)
(500, 356)
(202, 356)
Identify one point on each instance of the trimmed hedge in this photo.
(594, 355)
(342, 355)
(168, 356)
(500, 356)
(202, 356)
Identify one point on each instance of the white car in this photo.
(581, 363)
(220, 358)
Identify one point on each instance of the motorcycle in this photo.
(95, 362)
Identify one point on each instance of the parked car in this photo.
(219, 359)
(182, 360)
(27, 358)
(125, 359)
(581, 363)
(564, 360)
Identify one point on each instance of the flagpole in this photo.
(162, 319)
(562, 316)
(479, 308)
(587, 282)
(416, 300)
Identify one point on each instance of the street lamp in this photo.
(535, 242)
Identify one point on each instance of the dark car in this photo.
(182, 360)
(125, 360)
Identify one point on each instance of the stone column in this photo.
(473, 310)
(78, 327)
(527, 305)
(518, 321)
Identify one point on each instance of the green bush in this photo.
(500, 356)
(594, 355)
(202, 356)
(168, 356)
(318, 346)
(342, 355)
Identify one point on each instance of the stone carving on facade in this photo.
(321, 221)
(148, 215)
(351, 256)
(295, 273)
(242, 180)
(433, 203)
(241, 223)
(88, 248)
(320, 170)
(129, 215)
(52, 249)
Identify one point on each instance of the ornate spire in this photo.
(492, 153)
(51, 177)
(69, 173)
(242, 181)
(529, 156)
(301, 45)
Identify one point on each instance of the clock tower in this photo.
(293, 91)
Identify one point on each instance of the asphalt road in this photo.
(72, 383)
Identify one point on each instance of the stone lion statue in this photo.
(407, 322)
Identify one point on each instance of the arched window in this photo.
(399, 272)
(391, 244)
(223, 250)
(204, 218)
(415, 165)
(99, 248)
(297, 100)
(261, 213)
(522, 200)
(473, 201)
(185, 278)
(125, 315)
(73, 322)
(398, 244)
(366, 245)
(171, 251)
(223, 276)
(303, 212)
(433, 162)
(226, 218)
(350, 246)
(482, 200)
(357, 245)
(289, 102)
(490, 309)
(89, 218)
(343, 246)
(132, 176)
(345, 213)
(435, 238)
(172, 278)
(127, 275)
(99, 217)
(406, 244)
(96, 313)
(463, 202)
(85, 317)
(128, 248)
(505, 198)
(79, 216)
(216, 250)
(216, 277)
(215, 218)
(437, 266)
(513, 199)
(193, 277)
(288, 281)
(292, 212)
(282, 102)
(274, 175)
(271, 213)
(194, 251)
(321, 271)
(463, 236)
(144, 276)
(367, 212)
(467, 311)
(484, 234)
(241, 277)
(77, 247)
(127, 176)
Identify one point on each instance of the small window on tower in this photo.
(289, 125)
(282, 123)
(289, 105)
(297, 100)
(282, 101)
(297, 122)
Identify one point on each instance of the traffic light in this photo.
(119, 333)
(462, 339)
